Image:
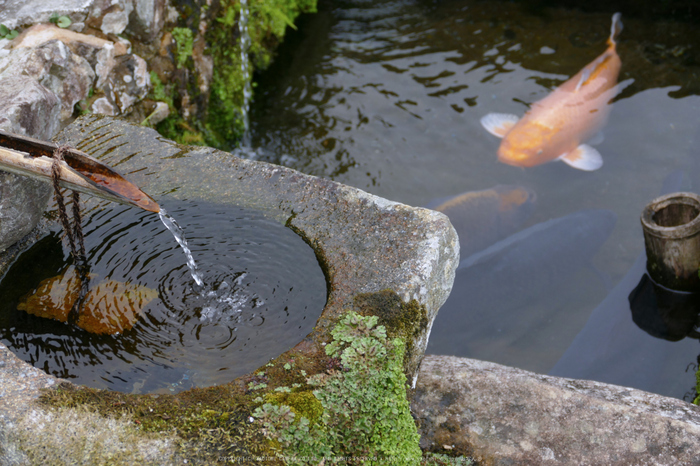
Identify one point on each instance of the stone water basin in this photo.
(378, 257)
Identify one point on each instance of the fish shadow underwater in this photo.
(493, 287)
(481, 218)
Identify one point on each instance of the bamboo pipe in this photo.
(31, 157)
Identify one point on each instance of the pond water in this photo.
(387, 96)
(263, 292)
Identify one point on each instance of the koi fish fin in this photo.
(597, 139)
(584, 157)
(615, 29)
(622, 85)
(499, 124)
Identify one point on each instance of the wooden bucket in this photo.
(671, 226)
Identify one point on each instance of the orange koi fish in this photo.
(557, 127)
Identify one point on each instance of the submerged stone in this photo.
(109, 307)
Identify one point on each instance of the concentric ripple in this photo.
(263, 291)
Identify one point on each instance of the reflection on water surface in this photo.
(387, 96)
(263, 292)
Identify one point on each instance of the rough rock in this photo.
(54, 66)
(142, 18)
(112, 16)
(503, 416)
(26, 107)
(68, 62)
(147, 19)
(67, 436)
(18, 13)
(127, 83)
(85, 45)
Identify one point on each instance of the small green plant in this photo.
(158, 91)
(697, 387)
(365, 415)
(184, 41)
(6, 33)
(62, 21)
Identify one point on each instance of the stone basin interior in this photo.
(263, 292)
(675, 214)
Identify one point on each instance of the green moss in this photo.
(223, 125)
(697, 387)
(226, 98)
(402, 320)
(302, 403)
(184, 42)
(366, 416)
(268, 22)
(217, 120)
(158, 91)
(211, 423)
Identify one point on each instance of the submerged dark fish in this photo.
(483, 217)
(492, 286)
(612, 348)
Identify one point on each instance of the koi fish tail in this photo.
(615, 29)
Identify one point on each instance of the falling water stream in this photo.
(245, 68)
(179, 235)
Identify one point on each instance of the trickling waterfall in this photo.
(179, 235)
(245, 69)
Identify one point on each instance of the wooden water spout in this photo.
(671, 226)
(31, 157)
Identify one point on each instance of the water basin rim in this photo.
(684, 230)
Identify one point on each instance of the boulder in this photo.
(110, 16)
(128, 82)
(141, 18)
(502, 416)
(55, 67)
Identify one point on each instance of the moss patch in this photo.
(208, 109)
(212, 424)
(184, 42)
(302, 403)
(79, 436)
(402, 320)
(365, 415)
